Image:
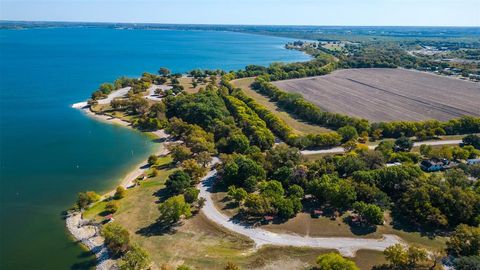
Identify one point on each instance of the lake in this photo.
(49, 152)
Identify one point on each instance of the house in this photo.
(434, 165)
(317, 213)
(473, 161)
(267, 219)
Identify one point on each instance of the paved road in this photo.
(115, 94)
(341, 150)
(345, 245)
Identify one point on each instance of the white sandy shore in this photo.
(88, 234)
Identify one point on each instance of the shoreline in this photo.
(82, 230)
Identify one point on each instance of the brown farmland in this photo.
(389, 94)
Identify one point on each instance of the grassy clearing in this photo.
(186, 82)
(298, 126)
(304, 224)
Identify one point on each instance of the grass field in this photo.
(298, 126)
(198, 242)
(389, 94)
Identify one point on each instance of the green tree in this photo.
(243, 172)
(152, 160)
(86, 198)
(237, 194)
(192, 168)
(173, 209)
(231, 266)
(333, 261)
(468, 263)
(191, 194)
(164, 71)
(401, 257)
(348, 133)
(465, 241)
(473, 140)
(371, 213)
(180, 152)
(295, 191)
(135, 259)
(403, 144)
(111, 207)
(117, 238)
(178, 181)
(120, 193)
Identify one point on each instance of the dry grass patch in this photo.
(298, 126)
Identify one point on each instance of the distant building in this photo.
(434, 165)
(473, 161)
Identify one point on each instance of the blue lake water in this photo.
(49, 151)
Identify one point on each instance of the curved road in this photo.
(336, 150)
(345, 245)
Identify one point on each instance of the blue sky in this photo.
(283, 12)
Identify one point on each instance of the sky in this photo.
(257, 12)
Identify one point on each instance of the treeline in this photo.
(307, 111)
(253, 126)
(284, 132)
(296, 104)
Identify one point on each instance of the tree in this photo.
(465, 241)
(152, 160)
(295, 191)
(348, 133)
(243, 172)
(231, 266)
(468, 263)
(117, 238)
(237, 194)
(371, 213)
(473, 140)
(86, 198)
(333, 261)
(406, 257)
(173, 209)
(282, 156)
(120, 193)
(178, 181)
(203, 158)
(164, 71)
(192, 168)
(180, 152)
(191, 194)
(111, 207)
(403, 144)
(135, 259)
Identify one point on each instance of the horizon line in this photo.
(232, 24)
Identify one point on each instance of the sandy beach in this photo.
(88, 234)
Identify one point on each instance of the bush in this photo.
(86, 198)
(191, 194)
(117, 238)
(135, 259)
(178, 181)
(152, 160)
(120, 193)
(111, 207)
